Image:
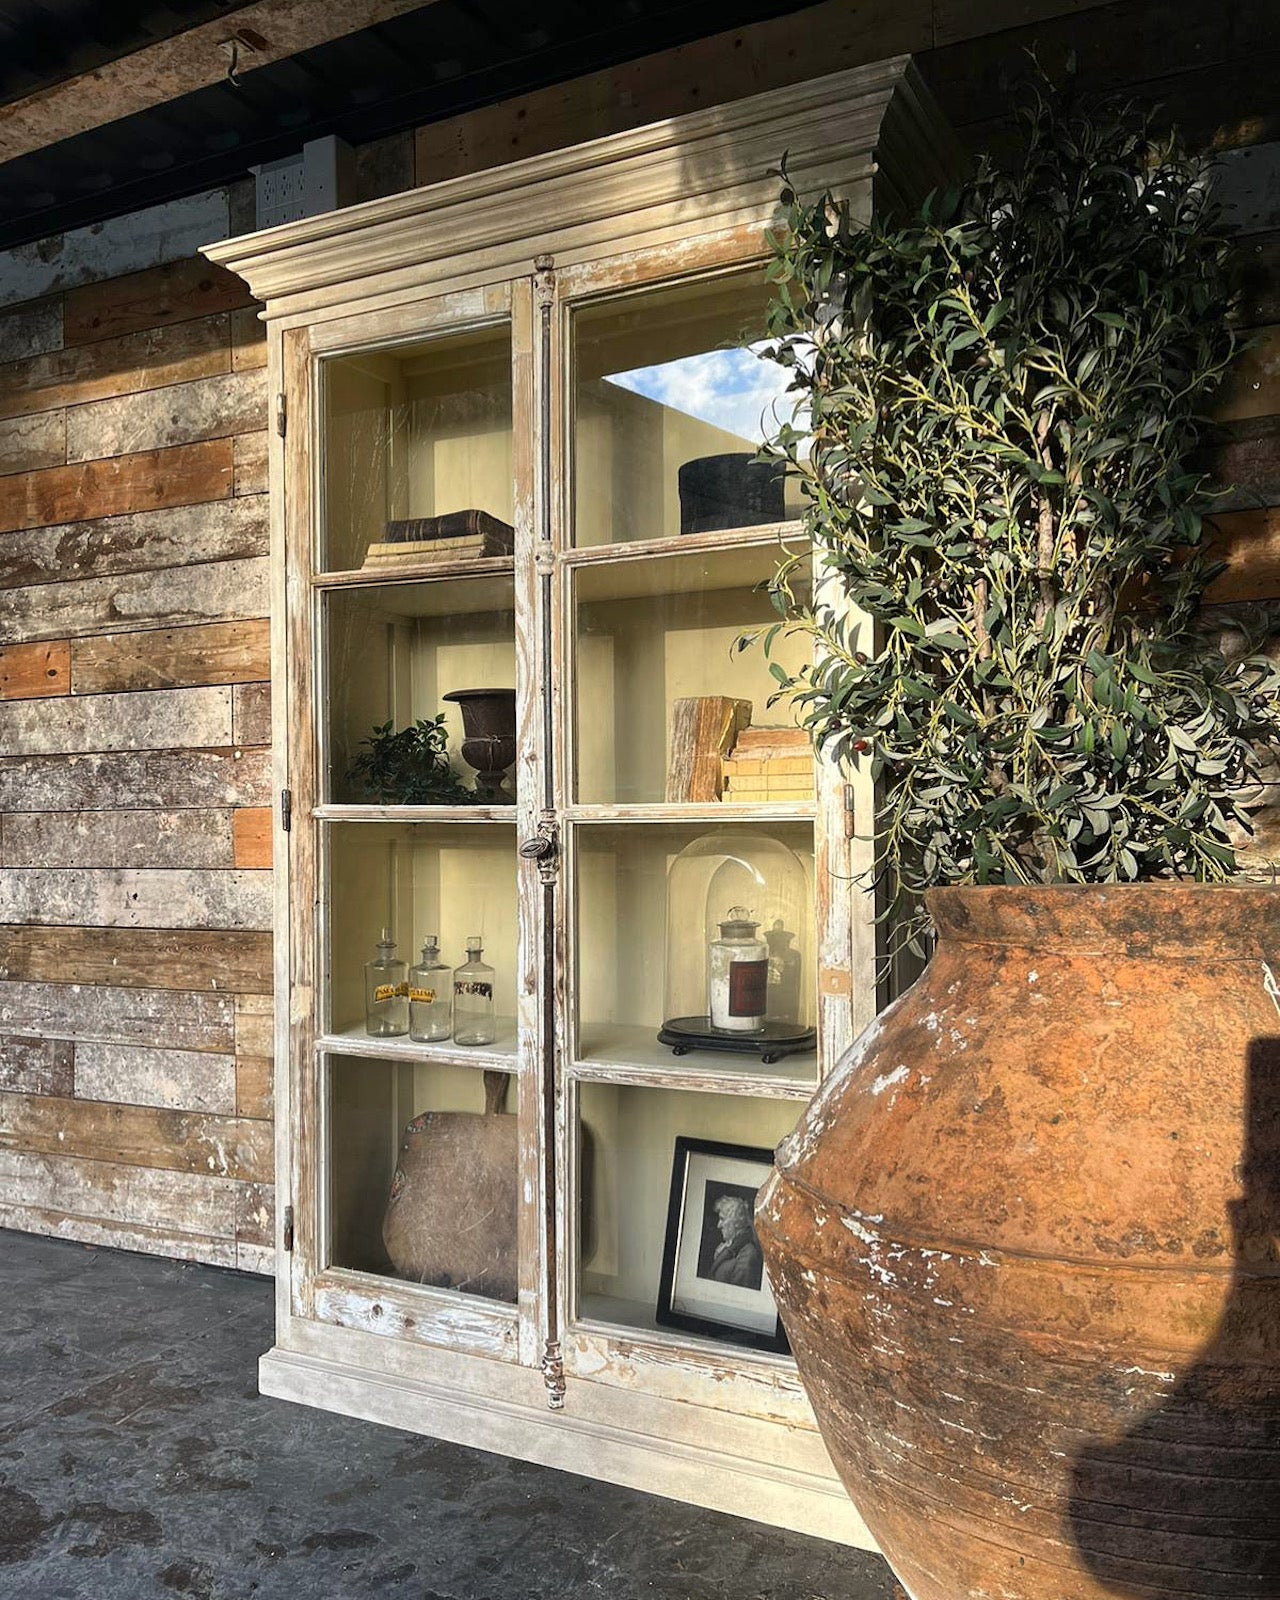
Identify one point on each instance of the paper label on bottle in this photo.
(748, 988)
(424, 997)
(474, 986)
(390, 991)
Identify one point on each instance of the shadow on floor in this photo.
(137, 1460)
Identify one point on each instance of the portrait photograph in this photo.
(713, 1276)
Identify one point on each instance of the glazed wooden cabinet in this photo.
(571, 347)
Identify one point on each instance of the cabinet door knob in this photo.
(544, 848)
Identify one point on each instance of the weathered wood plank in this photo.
(119, 839)
(178, 536)
(138, 958)
(134, 780)
(29, 443)
(251, 463)
(120, 897)
(218, 591)
(255, 1221)
(248, 340)
(954, 20)
(160, 419)
(1249, 541)
(178, 1080)
(187, 475)
(30, 330)
(251, 713)
(169, 1018)
(254, 1095)
(1247, 462)
(188, 1215)
(252, 837)
(253, 1025)
(36, 1066)
(169, 658)
(1257, 273)
(1252, 388)
(35, 671)
(179, 291)
(149, 359)
(137, 1136)
(716, 70)
(173, 231)
(165, 719)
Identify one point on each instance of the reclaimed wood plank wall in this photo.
(135, 971)
(135, 895)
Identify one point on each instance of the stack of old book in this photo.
(768, 764)
(453, 536)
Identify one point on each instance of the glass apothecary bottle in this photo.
(386, 992)
(473, 1015)
(430, 1000)
(738, 974)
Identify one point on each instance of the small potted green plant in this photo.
(1001, 403)
(409, 767)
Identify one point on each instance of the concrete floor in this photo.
(138, 1460)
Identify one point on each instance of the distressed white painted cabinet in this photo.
(566, 346)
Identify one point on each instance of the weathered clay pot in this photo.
(1026, 1244)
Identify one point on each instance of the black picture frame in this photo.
(710, 1182)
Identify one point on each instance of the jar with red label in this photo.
(738, 974)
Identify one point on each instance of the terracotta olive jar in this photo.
(1026, 1245)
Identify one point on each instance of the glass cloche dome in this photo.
(739, 955)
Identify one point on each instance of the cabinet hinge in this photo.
(286, 809)
(850, 812)
(282, 414)
(288, 1228)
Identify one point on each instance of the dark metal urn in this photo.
(489, 739)
(730, 491)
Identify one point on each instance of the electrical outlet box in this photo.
(320, 178)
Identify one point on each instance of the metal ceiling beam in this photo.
(251, 37)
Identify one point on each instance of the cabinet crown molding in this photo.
(872, 132)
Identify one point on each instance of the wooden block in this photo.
(31, 329)
(183, 476)
(180, 536)
(166, 719)
(703, 729)
(219, 652)
(252, 836)
(35, 671)
(250, 463)
(170, 1019)
(140, 1136)
(773, 740)
(134, 780)
(251, 714)
(160, 419)
(221, 591)
(27, 443)
(1252, 387)
(248, 340)
(117, 839)
(220, 962)
(254, 1093)
(177, 1080)
(36, 1066)
(150, 359)
(1249, 541)
(126, 897)
(176, 292)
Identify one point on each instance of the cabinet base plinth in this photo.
(574, 1440)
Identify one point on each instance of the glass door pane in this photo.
(417, 451)
(672, 399)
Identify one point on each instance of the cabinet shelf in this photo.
(768, 535)
(501, 1054)
(714, 812)
(610, 1314)
(417, 571)
(624, 1053)
(433, 814)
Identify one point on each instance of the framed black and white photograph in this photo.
(713, 1278)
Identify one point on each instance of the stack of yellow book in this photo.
(769, 764)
